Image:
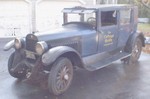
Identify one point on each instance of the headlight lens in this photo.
(41, 47)
(18, 43)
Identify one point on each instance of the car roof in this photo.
(105, 6)
(93, 8)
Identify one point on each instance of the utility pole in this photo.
(33, 5)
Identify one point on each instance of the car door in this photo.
(108, 30)
(125, 26)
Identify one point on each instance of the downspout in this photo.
(33, 5)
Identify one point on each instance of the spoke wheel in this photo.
(17, 74)
(60, 76)
(136, 50)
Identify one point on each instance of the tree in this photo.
(145, 3)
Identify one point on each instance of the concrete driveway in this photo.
(116, 81)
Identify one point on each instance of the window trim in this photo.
(112, 24)
(128, 23)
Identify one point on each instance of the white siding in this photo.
(14, 18)
(49, 14)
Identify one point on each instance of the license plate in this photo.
(30, 55)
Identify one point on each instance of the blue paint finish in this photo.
(106, 35)
(124, 33)
(87, 35)
(89, 43)
(126, 30)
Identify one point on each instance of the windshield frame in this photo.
(82, 17)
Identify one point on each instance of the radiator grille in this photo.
(31, 41)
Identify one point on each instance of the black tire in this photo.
(10, 67)
(135, 53)
(60, 76)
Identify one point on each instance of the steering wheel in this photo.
(91, 19)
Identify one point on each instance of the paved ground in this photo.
(117, 81)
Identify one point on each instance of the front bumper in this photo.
(27, 62)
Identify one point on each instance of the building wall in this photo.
(15, 16)
(49, 14)
(90, 2)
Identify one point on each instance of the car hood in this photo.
(66, 31)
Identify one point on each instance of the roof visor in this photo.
(78, 10)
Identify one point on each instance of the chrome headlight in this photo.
(18, 43)
(41, 47)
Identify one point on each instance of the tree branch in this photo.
(144, 4)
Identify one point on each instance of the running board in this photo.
(105, 62)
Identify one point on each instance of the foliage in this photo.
(143, 5)
(144, 27)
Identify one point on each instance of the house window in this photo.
(125, 17)
(108, 18)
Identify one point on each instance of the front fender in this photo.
(52, 54)
(9, 45)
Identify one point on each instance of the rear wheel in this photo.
(60, 76)
(136, 52)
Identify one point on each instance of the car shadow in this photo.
(105, 83)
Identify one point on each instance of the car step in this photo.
(108, 61)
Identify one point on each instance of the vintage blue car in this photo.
(91, 37)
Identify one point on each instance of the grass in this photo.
(144, 27)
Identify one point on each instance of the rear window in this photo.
(125, 17)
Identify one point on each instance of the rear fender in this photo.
(132, 39)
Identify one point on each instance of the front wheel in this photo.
(60, 76)
(11, 66)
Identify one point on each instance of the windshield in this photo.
(89, 18)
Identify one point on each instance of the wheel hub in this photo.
(135, 51)
(64, 74)
(66, 77)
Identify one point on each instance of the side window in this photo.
(108, 18)
(125, 17)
